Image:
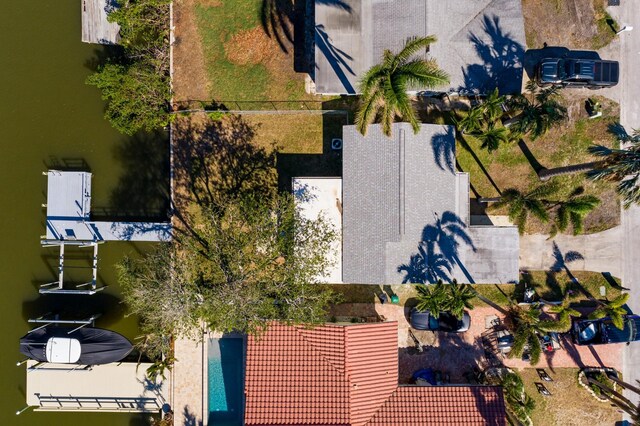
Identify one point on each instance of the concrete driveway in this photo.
(599, 252)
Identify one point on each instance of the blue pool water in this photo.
(226, 381)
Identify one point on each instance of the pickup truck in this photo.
(568, 72)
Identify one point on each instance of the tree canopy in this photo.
(136, 84)
(245, 263)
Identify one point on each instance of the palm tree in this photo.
(518, 401)
(539, 111)
(621, 166)
(612, 309)
(564, 311)
(526, 326)
(472, 121)
(459, 298)
(432, 298)
(384, 87)
(521, 204)
(492, 106)
(573, 210)
(492, 136)
(619, 400)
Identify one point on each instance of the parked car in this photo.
(602, 331)
(446, 322)
(570, 72)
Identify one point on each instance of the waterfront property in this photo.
(480, 44)
(96, 28)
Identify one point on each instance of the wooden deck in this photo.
(95, 26)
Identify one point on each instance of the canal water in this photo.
(50, 117)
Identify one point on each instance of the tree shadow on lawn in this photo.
(327, 164)
(143, 190)
(218, 159)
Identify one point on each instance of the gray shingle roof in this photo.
(404, 204)
(480, 43)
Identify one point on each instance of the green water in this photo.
(48, 113)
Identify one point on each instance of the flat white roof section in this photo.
(117, 387)
(96, 28)
(315, 196)
(69, 214)
(69, 194)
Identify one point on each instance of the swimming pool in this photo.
(226, 381)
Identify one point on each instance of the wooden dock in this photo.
(95, 26)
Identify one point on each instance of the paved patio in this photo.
(188, 384)
(459, 353)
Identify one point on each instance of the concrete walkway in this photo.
(627, 14)
(600, 252)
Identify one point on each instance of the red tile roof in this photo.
(348, 375)
(442, 405)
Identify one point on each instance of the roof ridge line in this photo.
(382, 405)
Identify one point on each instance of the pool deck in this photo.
(188, 380)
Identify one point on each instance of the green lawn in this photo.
(549, 286)
(569, 403)
(242, 62)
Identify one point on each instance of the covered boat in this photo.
(85, 346)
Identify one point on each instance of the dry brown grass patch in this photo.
(250, 47)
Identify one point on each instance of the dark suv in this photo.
(569, 72)
(602, 331)
(445, 322)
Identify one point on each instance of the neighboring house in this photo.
(404, 213)
(480, 44)
(348, 375)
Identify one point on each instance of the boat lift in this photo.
(45, 321)
(57, 287)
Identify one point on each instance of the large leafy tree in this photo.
(538, 110)
(243, 264)
(384, 86)
(621, 166)
(136, 85)
(613, 309)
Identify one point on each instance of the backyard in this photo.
(237, 50)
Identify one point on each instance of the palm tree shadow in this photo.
(529, 156)
(501, 60)
(443, 145)
(562, 264)
(336, 58)
(438, 251)
(465, 145)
